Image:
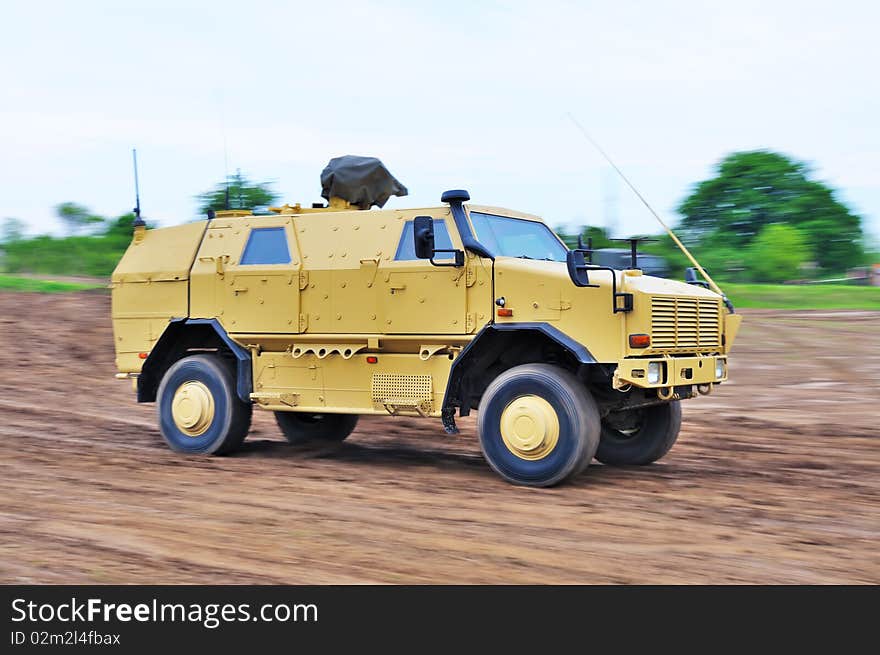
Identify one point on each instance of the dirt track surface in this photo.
(774, 480)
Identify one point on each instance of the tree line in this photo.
(761, 217)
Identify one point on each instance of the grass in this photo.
(803, 296)
(13, 283)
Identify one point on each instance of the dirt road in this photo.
(774, 479)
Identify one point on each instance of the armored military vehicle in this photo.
(321, 314)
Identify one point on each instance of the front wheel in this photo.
(538, 425)
(639, 436)
(301, 427)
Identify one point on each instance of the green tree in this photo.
(759, 188)
(241, 193)
(12, 230)
(76, 217)
(778, 253)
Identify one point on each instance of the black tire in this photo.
(576, 414)
(230, 419)
(640, 438)
(301, 427)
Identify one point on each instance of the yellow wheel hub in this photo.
(530, 427)
(192, 408)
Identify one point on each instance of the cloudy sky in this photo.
(448, 94)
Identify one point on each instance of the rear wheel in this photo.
(300, 427)
(199, 411)
(639, 436)
(537, 425)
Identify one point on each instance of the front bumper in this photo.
(674, 371)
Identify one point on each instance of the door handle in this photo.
(396, 287)
(238, 290)
(219, 261)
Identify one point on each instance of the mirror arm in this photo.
(459, 258)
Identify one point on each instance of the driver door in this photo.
(418, 297)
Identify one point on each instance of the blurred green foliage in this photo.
(600, 236)
(12, 283)
(755, 189)
(77, 218)
(237, 192)
(96, 254)
(778, 253)
(759, 219)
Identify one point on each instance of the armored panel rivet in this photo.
(535, 305)
(339, 317)
(421, 300)
(342, 285)
(372, 317)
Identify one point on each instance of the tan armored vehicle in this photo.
(326, 313)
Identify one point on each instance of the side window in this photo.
(406, 249)
(266, 245)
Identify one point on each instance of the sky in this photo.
(471, 95)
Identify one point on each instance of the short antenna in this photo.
(680, 245)
(138, 221)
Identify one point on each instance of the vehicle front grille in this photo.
(685, 323)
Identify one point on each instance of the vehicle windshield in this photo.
(516, 237)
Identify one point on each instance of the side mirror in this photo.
(690, 276)
(423, 236)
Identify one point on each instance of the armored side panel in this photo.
(150, 287)
(247, 275)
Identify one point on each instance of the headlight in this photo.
(719, 369)
(654, 373)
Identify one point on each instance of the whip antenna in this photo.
(672, 236)
(138, 221)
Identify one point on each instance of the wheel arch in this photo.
(498, 347)
(186, 335)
